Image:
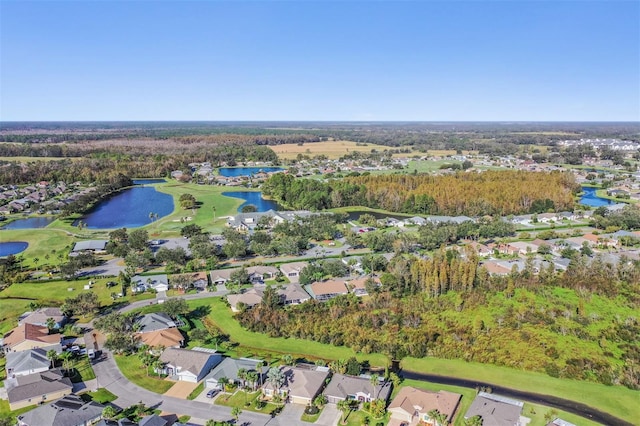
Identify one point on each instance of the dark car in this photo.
(212, 393)
(111, 284)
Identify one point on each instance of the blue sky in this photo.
(331, 60)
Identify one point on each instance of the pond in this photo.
(12, 247)
(589, 198)
(29, 223)
(254, 198)
(129, 209)
(147, 181)
(246, 171)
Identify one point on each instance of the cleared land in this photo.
(332, 149)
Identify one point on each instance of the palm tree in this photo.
(109, 412)
(36, 260)
(374, 382)
(51, 324)
(66, 360)
(473, 421)
(242, 375)
(345, 407)
(252, 377)
(276, 378)
(235, 412)
(52, 355)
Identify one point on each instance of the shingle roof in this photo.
(152, 420)
(90, 245)
(28, 360)
(411, 399)
(301, 382)
(68, 411)
(36, 385)
(168, 338)
(40, 316)
(30, 332)
(154, 322)
(229, 368)
(293, 292)
(328, 287)
(342, 386)
(495, 410)
(188, 360)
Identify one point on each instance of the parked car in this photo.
(91, 353)
(212, 393)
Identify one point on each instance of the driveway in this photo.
(181, 389)
(111, 267)
(330, 416)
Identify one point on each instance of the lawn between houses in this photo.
(246, 401)
(131, 367)
(616, 400)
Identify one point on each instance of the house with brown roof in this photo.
(189, 280)
(301, 385)
(411, 406)
(29, 336)
(37, 388)
(293, 294)
(358, 286)
(257, 274)
(249, 298)
(168, 338)
(494, 268)
(325, 290)
(221, 276)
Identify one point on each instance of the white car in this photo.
(91, 354)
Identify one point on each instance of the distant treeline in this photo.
(98, 166)
(489, 193)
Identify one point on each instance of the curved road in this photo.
(551, 401)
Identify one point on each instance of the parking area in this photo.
(181, 389)
(203, 396)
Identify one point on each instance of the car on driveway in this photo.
(212, 393)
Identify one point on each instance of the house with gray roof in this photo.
(153, 420)
(140, 283)
(301, 385)
(40, 317)
(188, 365)
(496, 410)
(68, 411)
(292, 270)
(559, 422)
(154, 322)
(96, 246)
(229, 367)
(30, 361)
(343, 387)
(37, 388)
(221, 276)
(293, 294)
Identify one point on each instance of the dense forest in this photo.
(581, 324)
(489, 193)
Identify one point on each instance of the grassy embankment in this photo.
(616, 400)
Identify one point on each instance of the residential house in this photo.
(71, 410)
(153, 420)
(30, 361)
(301, 385)
(411, 406)
(497, 410)
(249, 298)
(559, 422)
(292, 270)
(95, 246)
(359, 389)
(140, 283)
(189, 365)
(37, 388)
(158, 329)
(40, 317)
(293, 294)
(221, 276)
(493, 267)
(258, 274)
(29, 336)
(325, 290)
(358, 285)
(229, 368)
(196, 280)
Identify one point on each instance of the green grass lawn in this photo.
(311, 418)
(616, 400)
(132, 368)
(222, 317)
(44, 244)
(101, 396)
(356, 418)
(81, 370)
(5, 411)
(197, 391)
(10, 310)
(240, 399)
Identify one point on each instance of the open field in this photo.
(45, 244)
(616, 400)
(332, 149)
(31, 159)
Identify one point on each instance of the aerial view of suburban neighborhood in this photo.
(191, 234)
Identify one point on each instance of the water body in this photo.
(589, 198)
(246, 171)
(129, 209)
(12, 247)
(29, 223)
(147, 181)
(254, 198)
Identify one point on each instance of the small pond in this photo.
(254, 198)
(29, 223)
(147, 181)
(129, 209)
(246, 171)
(12, 247)
(589, 198)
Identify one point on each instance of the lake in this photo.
(29, 223)
(12, 247)
(254, 198)
(129, 209)
(589, 198)
(246, 171)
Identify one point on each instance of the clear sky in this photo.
(325, 60)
